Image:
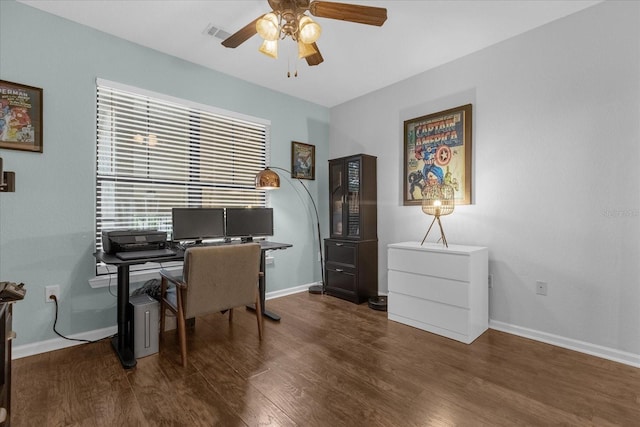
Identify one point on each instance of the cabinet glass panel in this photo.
(353, 198)
(336, 198)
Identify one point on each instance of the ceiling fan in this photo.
(288, 18)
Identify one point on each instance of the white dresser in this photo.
(438, 289)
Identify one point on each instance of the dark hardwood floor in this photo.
(327, 363)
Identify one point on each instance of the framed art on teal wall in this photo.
(20, 117)
(303, 160)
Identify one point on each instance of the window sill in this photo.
(138, 276)
(108, 276)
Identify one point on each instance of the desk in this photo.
(123, 342)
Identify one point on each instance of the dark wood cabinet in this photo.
(353, 194)
(6, 335)
(351, 252)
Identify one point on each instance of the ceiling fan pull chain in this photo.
(295, 71)
(294, 51)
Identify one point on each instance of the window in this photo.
(155, 152)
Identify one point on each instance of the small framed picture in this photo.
(20, 117)
(303, 160)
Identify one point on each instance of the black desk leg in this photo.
(262, 284)
(123, 342)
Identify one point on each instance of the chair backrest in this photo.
(220, 277)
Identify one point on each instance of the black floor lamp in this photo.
(267, 179)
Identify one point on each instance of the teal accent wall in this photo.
(47, 226)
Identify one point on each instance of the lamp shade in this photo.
(305, 50)
(267, 180)
(438, 199)
(267, 27)
(308, 30)
(269, 48)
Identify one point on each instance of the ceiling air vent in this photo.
(212, 31)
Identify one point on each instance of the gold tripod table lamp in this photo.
(437, 200)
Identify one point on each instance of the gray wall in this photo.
(47, 225)
(556, 177)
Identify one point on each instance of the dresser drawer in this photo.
(342, 283)
(446, 291)
(438, 264)
(341, 278)
(428, 315)
(341, 252)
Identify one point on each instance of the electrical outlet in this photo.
(490, 281)
(541, 287)
(52, 290)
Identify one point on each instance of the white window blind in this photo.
(155, 152)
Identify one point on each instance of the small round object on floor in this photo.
(316, 289)
(378, 303)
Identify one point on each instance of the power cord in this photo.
(109, 284)
(149, 287)
(55, 321)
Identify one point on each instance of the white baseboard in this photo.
(20, 351)
(32, 349)
(289, 291)
(569, 343)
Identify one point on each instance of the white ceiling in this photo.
(358, 59)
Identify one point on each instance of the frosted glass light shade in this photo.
(268, 27)
(305, 50)
(270, 48)
(308, 30)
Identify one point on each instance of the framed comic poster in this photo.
(303, 160)
(436, 150)
(20, 117)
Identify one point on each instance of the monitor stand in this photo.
(248, 239)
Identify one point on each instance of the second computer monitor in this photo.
(197, 223)
(249, 222)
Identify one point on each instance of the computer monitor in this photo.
(197, 223)
(249, 222)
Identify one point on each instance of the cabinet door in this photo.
(337, 192)
(353, 178)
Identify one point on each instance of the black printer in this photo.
(133, 240)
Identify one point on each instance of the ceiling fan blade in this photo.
(349, 12)
(316, 58)
(242, 35)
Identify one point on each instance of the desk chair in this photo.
(214, 279)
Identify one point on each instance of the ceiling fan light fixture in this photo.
(270, 48)
(308, 30)
(268, 27)
(306, 49)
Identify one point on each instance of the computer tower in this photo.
(145, 312)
